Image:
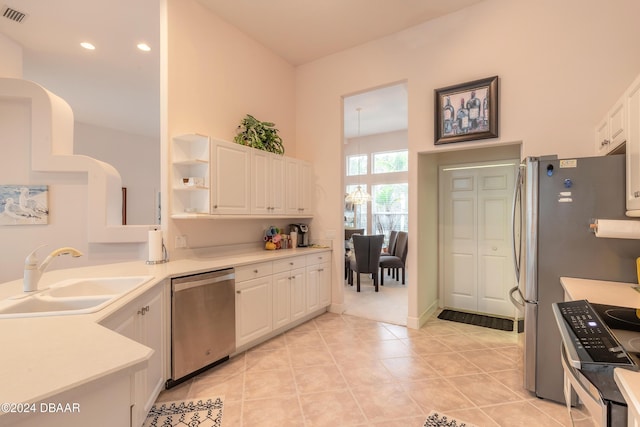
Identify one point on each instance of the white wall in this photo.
(215, 76)
(561, 65)
(67, 204)
(67, 192)
(136, 157)
(11, 54)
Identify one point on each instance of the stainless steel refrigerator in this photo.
(554, 204)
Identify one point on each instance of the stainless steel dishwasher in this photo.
(203, 331)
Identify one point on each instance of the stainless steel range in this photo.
(597, 339)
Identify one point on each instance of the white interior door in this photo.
(460, 239)
(477, 266)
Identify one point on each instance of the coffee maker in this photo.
(303, 234)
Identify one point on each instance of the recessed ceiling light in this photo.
(88, 46)
(144, 47)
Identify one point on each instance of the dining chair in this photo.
(391, 247)
(397, 261)
(366, 257)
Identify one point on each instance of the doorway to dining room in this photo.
(375, 178)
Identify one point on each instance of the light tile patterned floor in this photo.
(340, 370)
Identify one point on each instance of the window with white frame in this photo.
(390, 161)
(387, 182)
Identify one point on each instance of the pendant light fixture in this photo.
(359, 196)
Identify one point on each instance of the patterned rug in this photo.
(186, 413)
(441, 420)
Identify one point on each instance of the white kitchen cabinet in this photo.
(211, 177)
(190, 175)
(611, 131)
(281, 300)
(293, 270)
(291, 293)
(253, 309)
(633, 149)
(299, 191)
(318, 281)
(142, 320)
(267, 183)
(230, 178)
(298, 294)
(272, 296)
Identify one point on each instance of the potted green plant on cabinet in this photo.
(257, 134)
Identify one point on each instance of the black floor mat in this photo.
(477, 319)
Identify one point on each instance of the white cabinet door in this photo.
(230, 178)
(142, 321)
(152, 335)
(324, 284)
(299, 187)
(267, 183)
(313, 288)
(253, 309)
(611, 132)
(633, 149)
(281, 299)
(298, 294)
(602, 137)
(618, 123)
(293, 187)
(260, 182)
(306, 189)
(318, 285)
(277, 178)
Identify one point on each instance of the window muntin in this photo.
(357, 165)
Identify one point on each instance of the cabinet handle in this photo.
(238, 292)
(636, 194)
(321, 269)
(144, 310)
(291, 263)
(255, 271)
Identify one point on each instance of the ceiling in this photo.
(117, 86)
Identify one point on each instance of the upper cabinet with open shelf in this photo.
(218, 179)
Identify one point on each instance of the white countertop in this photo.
(602, 292)
(44, 356)
(611, 293)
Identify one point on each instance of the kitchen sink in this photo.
(73, 296)
(40, 305)
(96, 286)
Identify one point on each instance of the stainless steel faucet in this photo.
(32, 272)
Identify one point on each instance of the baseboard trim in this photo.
(418, 322)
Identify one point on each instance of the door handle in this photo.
(517, 303)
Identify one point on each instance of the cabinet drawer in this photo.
(318, 258)
(288, 264)
(253, 271)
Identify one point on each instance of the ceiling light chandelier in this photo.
(359, 196)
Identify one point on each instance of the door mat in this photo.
(477, 319)
(441, 420)
(203, 413)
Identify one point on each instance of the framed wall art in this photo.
(467, 111)
(24, 204)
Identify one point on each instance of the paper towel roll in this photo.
(155, 245)
(618, 229)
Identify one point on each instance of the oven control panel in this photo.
(591, 335)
